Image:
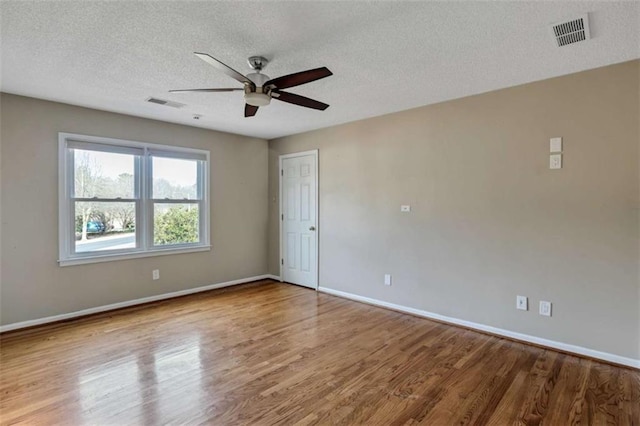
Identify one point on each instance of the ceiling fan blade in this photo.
(298, 100)
(224, 68)
(205, 90)
(299, 78)
(250, 110)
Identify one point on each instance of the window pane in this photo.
(175, 178)
(175, 223)
(104, 226)
(103, 174)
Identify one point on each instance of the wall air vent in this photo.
(573, 31)
(164, 102)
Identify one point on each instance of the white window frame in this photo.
(144, 203)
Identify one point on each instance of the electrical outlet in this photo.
(555, 161)
(545, 308)
(387, 279)
(522, 303)
(156, 274)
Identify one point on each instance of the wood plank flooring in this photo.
(271, 353)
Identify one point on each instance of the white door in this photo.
(298, 233)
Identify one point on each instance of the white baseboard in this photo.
(104, 308)
(274, 277)
(605, 356)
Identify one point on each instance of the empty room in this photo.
(319, 212)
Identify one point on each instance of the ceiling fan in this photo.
(259, 89)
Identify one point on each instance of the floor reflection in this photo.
(108, 388)
(147, 387)
(178, 374)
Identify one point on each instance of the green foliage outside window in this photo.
(177, 225)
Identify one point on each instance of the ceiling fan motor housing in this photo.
(260, 96)
(258, 78)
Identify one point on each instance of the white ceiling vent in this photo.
(572, 31)
(164, 102)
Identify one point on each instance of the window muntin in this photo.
(122, 199)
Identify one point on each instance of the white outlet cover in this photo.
(387, 279)
(156, 274)
(522, 303)
(555, 145)
(545, 308)
(555, 161)
(405, 208)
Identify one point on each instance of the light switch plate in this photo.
(405, 208)
(555, 161)
(555, 145)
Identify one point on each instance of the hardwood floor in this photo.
(272, 353)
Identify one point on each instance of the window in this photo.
(121, 199)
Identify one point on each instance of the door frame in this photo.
(315, 153)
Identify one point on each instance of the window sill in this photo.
(127, 256)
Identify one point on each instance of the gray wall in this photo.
(34, 286)
(489, 219)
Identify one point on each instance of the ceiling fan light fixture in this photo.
(257, 99)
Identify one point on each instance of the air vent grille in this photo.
(573, 31)
(165, 102)
(156, 101)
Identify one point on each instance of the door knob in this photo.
(312, 228)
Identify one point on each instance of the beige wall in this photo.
(489, 219)
(34, 286)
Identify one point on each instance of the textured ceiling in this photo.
(385, 56)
